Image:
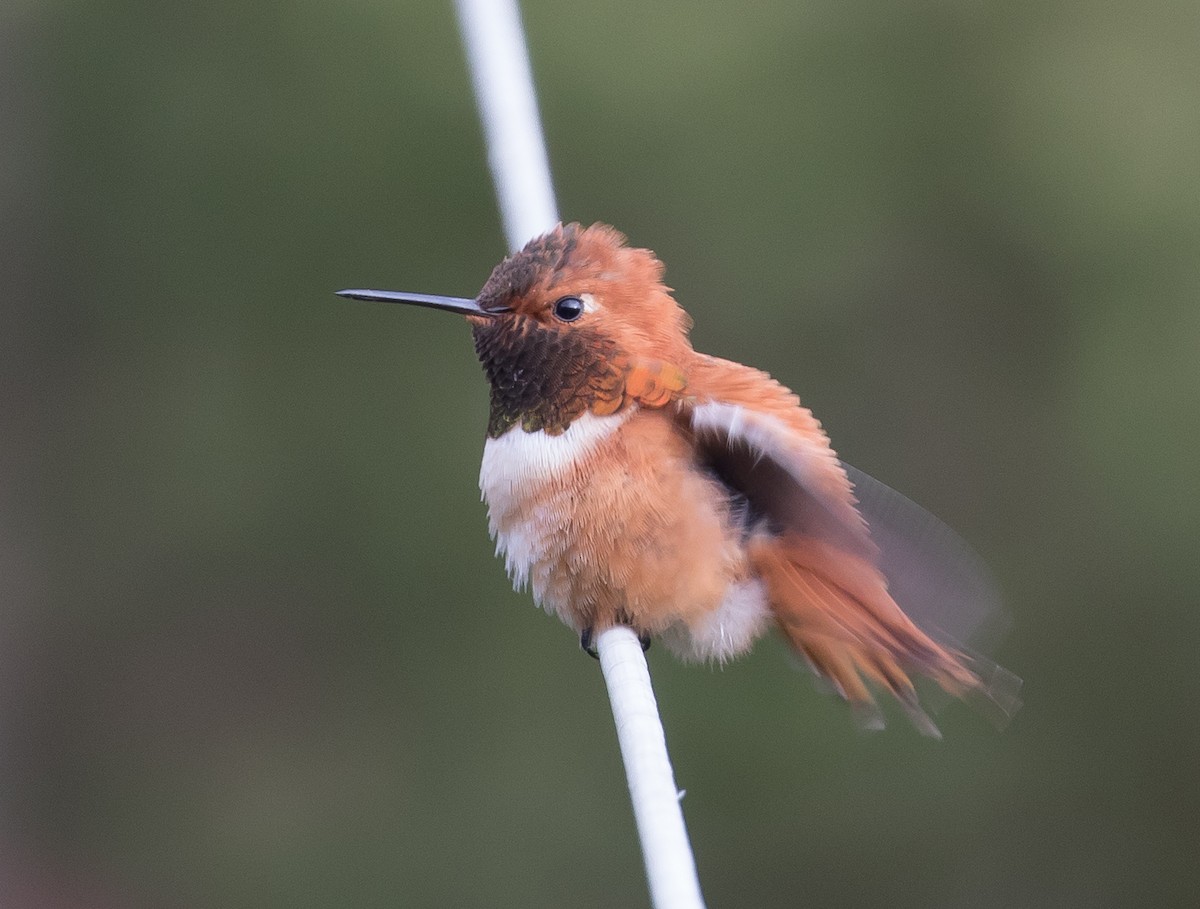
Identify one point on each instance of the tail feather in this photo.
(835, 610)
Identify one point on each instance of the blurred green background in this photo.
(254, 648)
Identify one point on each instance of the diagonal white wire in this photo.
(499, 61)
(495, 44)
(670, 867)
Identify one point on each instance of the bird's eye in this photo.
(568, 309)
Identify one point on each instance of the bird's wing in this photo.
(754, 434)
(827, 579)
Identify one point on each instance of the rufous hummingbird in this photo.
(631, 480)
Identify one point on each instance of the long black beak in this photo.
(460, 305)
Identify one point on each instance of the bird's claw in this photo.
(587, 641)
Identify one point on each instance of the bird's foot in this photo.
(587, 641)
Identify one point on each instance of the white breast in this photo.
(518, 458)
(519, 471)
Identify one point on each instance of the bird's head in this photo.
(559, 324)
(588, 281)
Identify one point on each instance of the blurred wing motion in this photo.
(932, 572)
(942, 584)
(836, 582)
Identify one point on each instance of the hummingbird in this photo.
(630, 479)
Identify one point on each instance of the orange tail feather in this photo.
(835, 610)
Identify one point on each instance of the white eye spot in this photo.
(589, 302)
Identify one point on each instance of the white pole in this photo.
(499, 62)
(495, 44)
(670, 867)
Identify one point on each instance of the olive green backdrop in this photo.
(254, 648)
